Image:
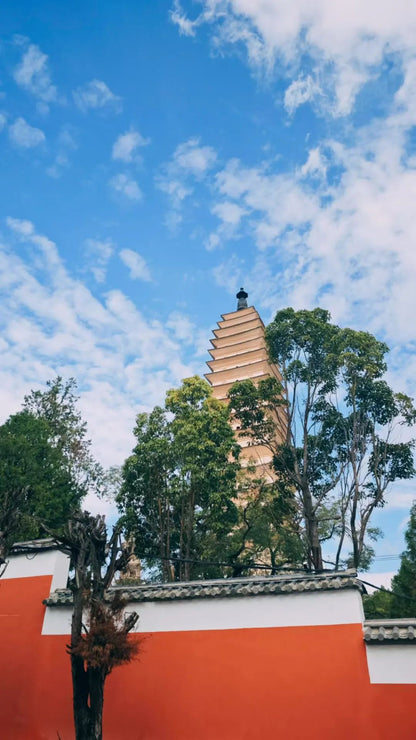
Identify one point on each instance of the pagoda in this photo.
(239, 352)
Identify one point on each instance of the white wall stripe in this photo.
(291, 610)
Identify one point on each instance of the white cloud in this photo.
(229, 212)
(193, 158)
(32, 73)
(230, 215)
(127, 144)
(341, 43)
(175, 188)
(100, 252)
(212, 242)
(300, 91)
(127, 186)
(315, 165)
(136, 264)
(25, 136)
(66, 144)
(21, 227)
(51, 323)
(178, 17)
(337, 231)
(96, 94)
(183, 328)
(189, 163)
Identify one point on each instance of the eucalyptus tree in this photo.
(332, 426)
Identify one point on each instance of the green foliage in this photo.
(68, 432)
(404, 583)
(46, 466)
(400, 601)
(379, 605)
(178, 490)
(330, 427)
(35, 482)
(268, 530)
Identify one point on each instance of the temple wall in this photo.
(243, 667)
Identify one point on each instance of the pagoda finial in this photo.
(242, 299)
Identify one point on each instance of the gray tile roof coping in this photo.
(289, 583)
(47, 543)
(388, 631)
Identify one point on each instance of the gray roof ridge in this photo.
(225, 588)
(390, 631)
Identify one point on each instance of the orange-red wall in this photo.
(286, 682)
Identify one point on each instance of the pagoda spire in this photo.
(242, 299)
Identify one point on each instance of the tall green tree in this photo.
(267, 534)
(179, 485)
(35, 483)
(330, 425)
(46, 465)
(149, 496)
(57, 406)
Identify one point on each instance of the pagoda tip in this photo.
(242, 296)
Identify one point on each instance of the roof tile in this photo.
(226, 588)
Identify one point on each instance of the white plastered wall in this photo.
(392, 663)
(242, 612)
(42, 563)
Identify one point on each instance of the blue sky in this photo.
(158, 155)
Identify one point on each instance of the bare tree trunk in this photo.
(189, 533)
(85, 540)
(312, 534)
(96, 683)
(81, 708)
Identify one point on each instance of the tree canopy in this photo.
(400, 600)
(57, 406)
(46, 467)
(178, 490)
(332, 428)
(404, 583)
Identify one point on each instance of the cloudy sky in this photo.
(158, 155)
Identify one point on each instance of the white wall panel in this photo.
(392, 663)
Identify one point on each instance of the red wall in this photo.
(289, 683)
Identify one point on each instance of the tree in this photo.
(35, 483)
(330, 427)
(99, 631)
(178, 492)
(379, 605)
(46, 465)
(68, 432)
(400, 601)
(404, 583)
(365, 438)
(267, 533)
(149, 496)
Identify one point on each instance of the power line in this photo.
(387, 591)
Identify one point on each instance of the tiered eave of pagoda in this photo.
(239, 352)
